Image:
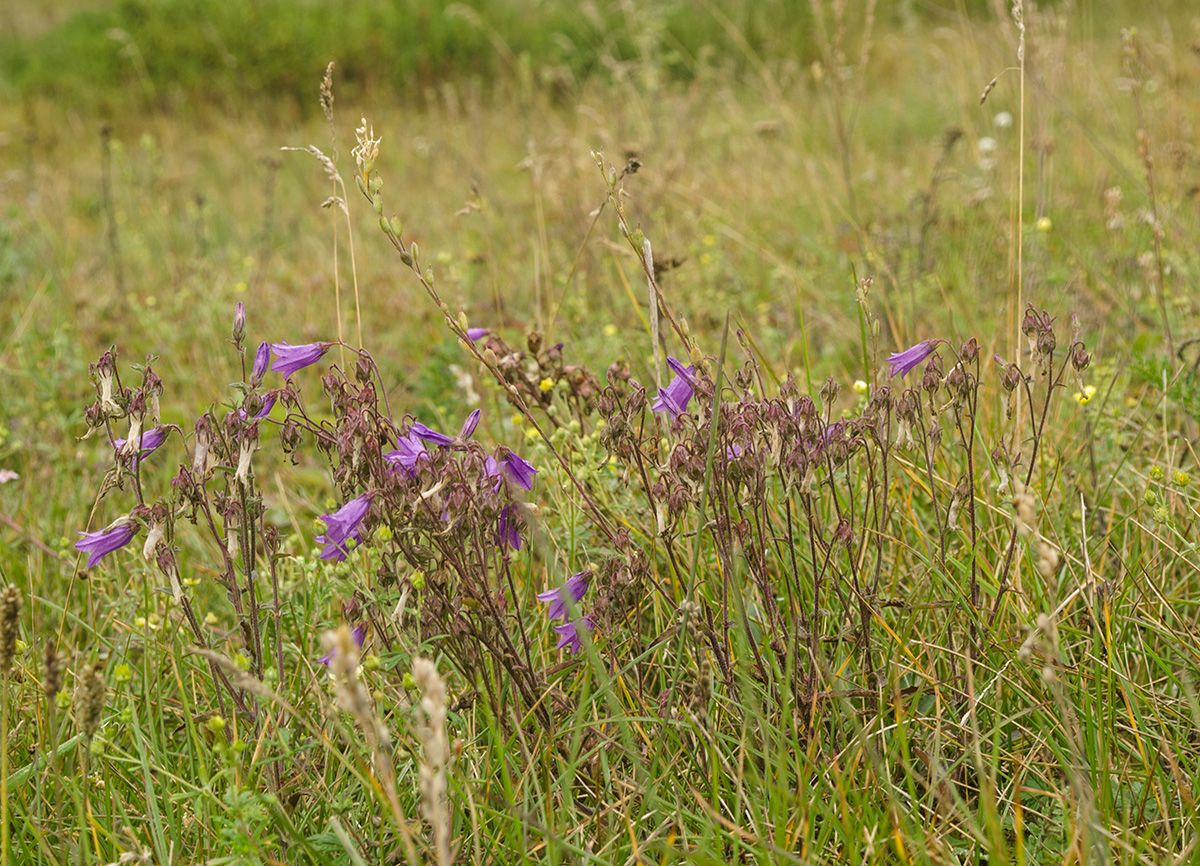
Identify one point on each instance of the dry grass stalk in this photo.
(431, 730)
(90, 694)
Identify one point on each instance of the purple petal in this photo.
(290, 358)
(674, 398)
(506, 530)
(576, 585)
(683, 372)
(518, 470)
(261, 358)
(474, 334)
(410, 449)
(100, 544)
(432, 436)
(337, 551)
(568, 635)
(344, 522)
(902, 362)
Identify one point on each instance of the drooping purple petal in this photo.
(409, 450)
(474, 334)
(432, 436)
(337, 551)
(289, 359)
(568, 635)
(902, 362)
(682, 371)
(674, 398)
(343, 524)
(469, 426)
(99, 544)
(359, 634)
(576, 585)
(518, 470)
(506, 529)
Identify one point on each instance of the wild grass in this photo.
(835, 620)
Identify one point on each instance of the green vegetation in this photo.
(833, 613)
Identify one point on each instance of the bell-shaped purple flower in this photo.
(474, 334)
(99, 544)
(568, 635)
(359, 634)
(289, 359)
(674, 398)
(518, 470)
(342, 526)
(506, 529)
(576, 585)
(902, 362)
(409, 450)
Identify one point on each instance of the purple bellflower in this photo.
(576, 585)
(99, 544)
(289, 359)
(568, 635)
(674, 398)
(506, 529)
(902, 362)
(342, 526)
(474, 334)
(359, 634)
(518, 470)
(433, 437)
(409, 450)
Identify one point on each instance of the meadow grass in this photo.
(834, 620)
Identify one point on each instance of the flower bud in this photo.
(262, 357)
(239, 323)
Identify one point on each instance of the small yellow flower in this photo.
(1181, 478)
(518, 419)
(210, 618)
(709, 240)
(1044, 224)
(610, 330)
(860, 387)
(122, 673)
(1156, 473)
(546, 384)
(1085, 396)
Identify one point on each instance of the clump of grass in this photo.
(733, 614)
